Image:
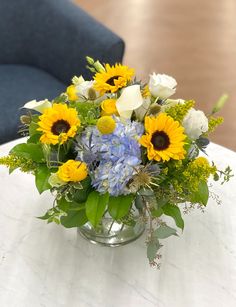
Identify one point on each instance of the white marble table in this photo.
(49, 266)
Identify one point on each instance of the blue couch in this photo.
(43, 44)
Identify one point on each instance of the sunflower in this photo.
(58, 123)
(112, 78)
(164, 139)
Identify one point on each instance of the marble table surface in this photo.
(50, 266)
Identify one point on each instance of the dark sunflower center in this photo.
(111, 80)
(160, 140)
(60, 126)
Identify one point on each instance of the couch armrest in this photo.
(56, 35)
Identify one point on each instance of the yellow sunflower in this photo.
(112, 78)
(72, 171)
(164, 139)
(58, 123)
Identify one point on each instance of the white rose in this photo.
(129, 100)
(84, 87)
(161, 85)
(195, 123)
(39, 106)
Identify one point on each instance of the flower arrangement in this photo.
(112, 145)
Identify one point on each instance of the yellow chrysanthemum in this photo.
(108, 107)
(112, 78)
(72, 171)
(106, 124)
(164, 139)
(58, 123)
(71, 92)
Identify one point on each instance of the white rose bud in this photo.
(161, 85)
(129, 100)
(195, 123)
(39, 106)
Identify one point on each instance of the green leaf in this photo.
(81, 195)
(119, 206)
(164, 232)
(152, 249)
(202, 195)
(157, 212)
(74, 218)
(29, 151)
(34, 138)
(175, 213)
(42, 175)
(34, 125)
(95, 207)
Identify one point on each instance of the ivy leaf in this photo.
(29, 151)
(164, 232)
(175, 213)
(119, 206)
(42, 175)
(95, 207)
(152, 249)
(202, 195)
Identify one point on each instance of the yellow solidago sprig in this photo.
(58, 124)
(196, 171)
(178, 111)
(164, 138)
(112, 78)
(13, 162)
(213, 123)
(72, 171)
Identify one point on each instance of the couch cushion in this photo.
(19, 84)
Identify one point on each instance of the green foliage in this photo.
(29, 151)
(74, 218)
(220, 103)
(201, 195)
(80, 194)
(34, 125)
(175, 213)
(152, 248)
(119, 206)
(88, 112)
(95, 207)
(60, 99)
(164, 231)
(42, 175)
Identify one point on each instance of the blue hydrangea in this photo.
(112, 158)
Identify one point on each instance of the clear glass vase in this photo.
(113, 233)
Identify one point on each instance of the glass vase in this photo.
(114, 233)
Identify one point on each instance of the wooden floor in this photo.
(193, 41)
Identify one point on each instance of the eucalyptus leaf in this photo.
(164, 232)
(152, 249)
(175, 213)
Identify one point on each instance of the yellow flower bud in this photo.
(71, 92)
(106, 124)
